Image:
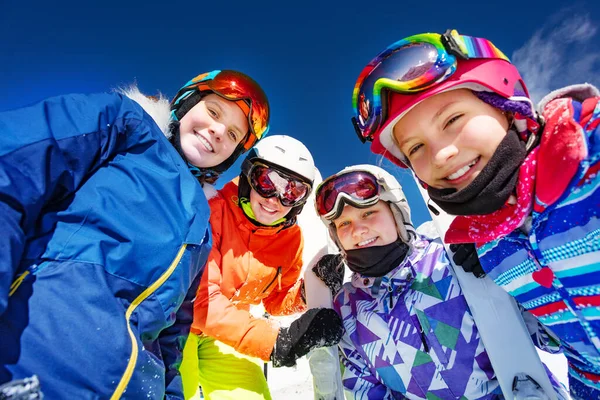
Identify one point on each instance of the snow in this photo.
(557, 363)
(291, 383)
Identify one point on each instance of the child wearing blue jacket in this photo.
(105, 231)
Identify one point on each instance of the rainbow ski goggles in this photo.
(409, 66)
(242, 90)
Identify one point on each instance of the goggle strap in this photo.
(467, 47)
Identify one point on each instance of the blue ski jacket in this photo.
(104, 237)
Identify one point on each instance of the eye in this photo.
(414, 149)
(368, 213)
(343, 224)
(213, 113)
(452, 120)
(233, 135)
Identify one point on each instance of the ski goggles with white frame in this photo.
(357, 188)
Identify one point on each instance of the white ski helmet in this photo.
(390, 191)
(285, 154)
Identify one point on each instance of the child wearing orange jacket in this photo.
(256, 257)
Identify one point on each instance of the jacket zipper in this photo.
(132, 307)
(391, 292)
(423, 338)
(277, 276)
(32, 270)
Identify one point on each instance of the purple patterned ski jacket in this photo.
(410, 334)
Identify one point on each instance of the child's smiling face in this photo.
(211, 131)
(267, 210)
(450, 137)
(365, 227)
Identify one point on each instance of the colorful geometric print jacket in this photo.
(104, 230)
(411, 334)
(551, 265)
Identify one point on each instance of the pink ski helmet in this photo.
(418, 67)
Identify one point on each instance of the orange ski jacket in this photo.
(247, 264)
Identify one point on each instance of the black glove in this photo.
(318, 327)
(330, 269)
(465, 255)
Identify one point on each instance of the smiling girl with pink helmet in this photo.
(524, 186)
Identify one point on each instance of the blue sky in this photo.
(306, 55)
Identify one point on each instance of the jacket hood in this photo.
(578, 92)
(157, 107)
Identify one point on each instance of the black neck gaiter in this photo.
(377, 260)
(490, 190)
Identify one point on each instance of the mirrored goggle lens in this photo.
(233, 86)
(359, 186)
(412, 67)
(268, 183)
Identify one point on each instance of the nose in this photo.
(217, 130)
(443, 153)
(273, 200)
(359, 230)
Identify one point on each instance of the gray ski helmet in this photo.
(391, 192)
(283, 153)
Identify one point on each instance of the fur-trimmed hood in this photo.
(157, 107)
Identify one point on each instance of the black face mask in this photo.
(490, 190)
(377, 260)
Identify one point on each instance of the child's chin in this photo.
(266, 220)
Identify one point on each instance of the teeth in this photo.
(268, 209)
(205, 142)
(461, 171)
(366, 242)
